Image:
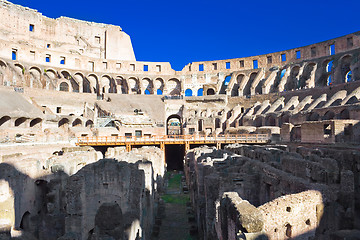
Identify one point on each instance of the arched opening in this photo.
(35, 122)
(225, 84)
(19, 121)
(292, 81)
(134, 86)
(159, 85)
(80, 81)
(89, 124)
(258, 121)
(337, 102)
(285, 118)
(247, 89)
(174, 87)
(200, 92)
(329, 66)
(148, 86)
(306, 76)
(174, 125)
(93, 80)
(348, 76)
(235, 89)
(122, 84)
(25, 221)
(64, 87)
(210, 91)
(108, 84)
(188, 92)
(345, 64)
(328, 115)
(4, 121)
(20, 69)
(352, 100)
(77, 123)
(86, 86)
(74, 84)
(35, 78)
(288, 230)
(313, 117)
(344, 114)
(270, 121)
(63, 122)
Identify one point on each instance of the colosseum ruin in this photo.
(91, 140)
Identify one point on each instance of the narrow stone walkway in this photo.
(175, 224)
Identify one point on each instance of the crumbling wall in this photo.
(300, 194)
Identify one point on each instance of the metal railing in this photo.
(118, 140)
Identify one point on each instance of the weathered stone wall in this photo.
(68, 194)
(299, 194)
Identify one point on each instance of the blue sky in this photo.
(186, 31)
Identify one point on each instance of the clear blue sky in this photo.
(185, 31)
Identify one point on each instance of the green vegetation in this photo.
(175, 198)
(174, 181)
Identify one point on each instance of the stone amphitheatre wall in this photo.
(273, 93)
(80, 60)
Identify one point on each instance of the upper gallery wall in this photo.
(103, 53)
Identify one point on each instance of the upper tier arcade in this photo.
(77, 56)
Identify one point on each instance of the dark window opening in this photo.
(97, 39)
(332, 49)
(201, 67)
(350, 42)
(48, 45)
(242, 64)
(298, 54)
(313, 51)
(146, 68)
(48, 58)
(214, 66)
(283, 57)
(327, 130)
(269, 59)
(14, 54)
(58, 110)
(31, 28)
(227, 64)
(255, 64)
(62, 60)
(138, 133)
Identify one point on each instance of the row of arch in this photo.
(64, 80)
(7, 121)
(333, 70)
(310, 74)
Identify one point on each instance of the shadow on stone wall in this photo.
(105, 199)
(282, 181)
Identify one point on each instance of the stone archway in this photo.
(174, 125)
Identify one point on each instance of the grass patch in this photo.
(176, 198)
(174, 181)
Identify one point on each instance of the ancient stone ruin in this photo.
(269, 145)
